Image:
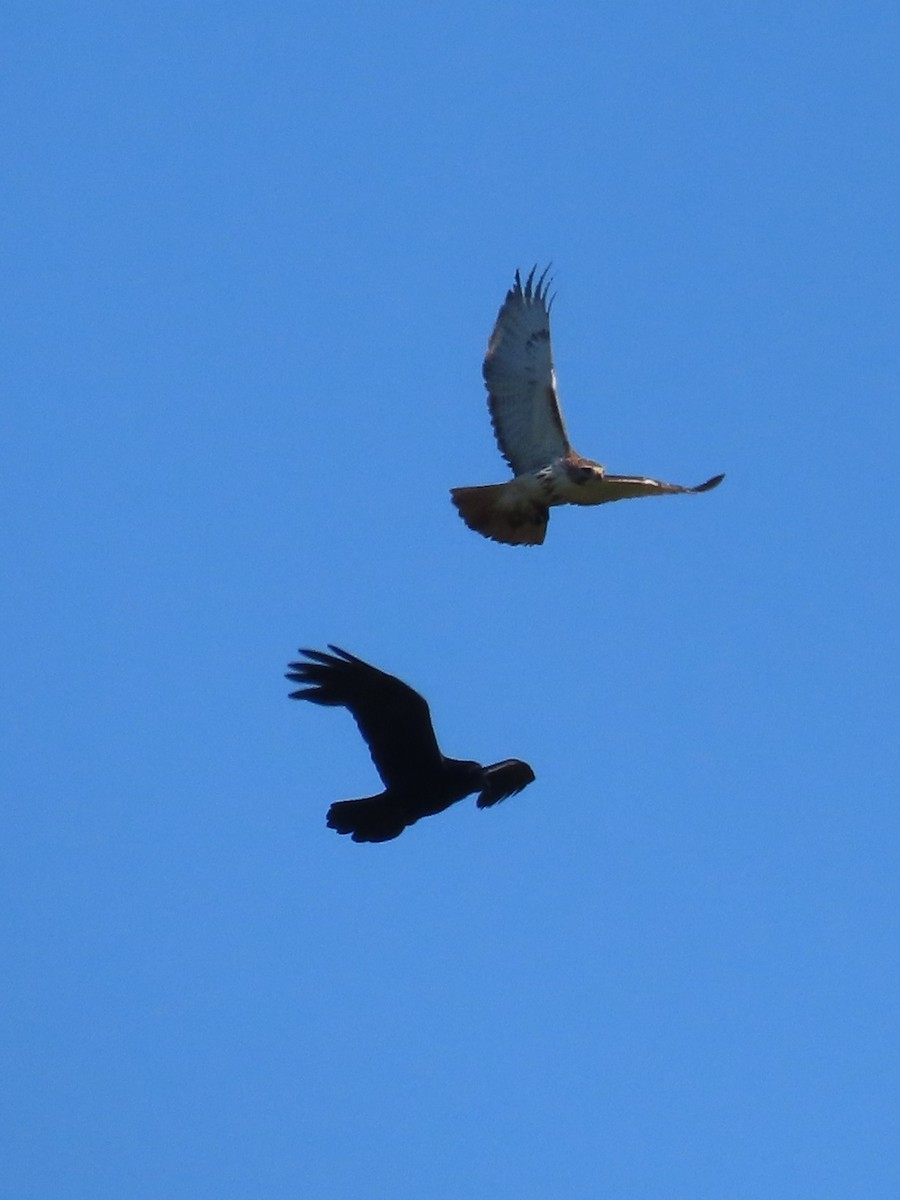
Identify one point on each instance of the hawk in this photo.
(530, 431)
(396, 725)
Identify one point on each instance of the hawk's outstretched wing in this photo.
(627, 487)
(521, 384)
(393, 719)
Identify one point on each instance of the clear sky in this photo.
(252, 255)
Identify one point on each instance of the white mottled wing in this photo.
(521, 384)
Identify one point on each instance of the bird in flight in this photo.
(396, 725)
(530, 431)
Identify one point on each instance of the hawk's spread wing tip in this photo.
(710, 483)
(532, 292)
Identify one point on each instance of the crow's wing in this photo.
(393, 719)
(521, 383)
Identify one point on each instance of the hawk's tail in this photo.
(370, 820)
(498, 511)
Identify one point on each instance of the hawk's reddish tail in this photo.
(497, 511)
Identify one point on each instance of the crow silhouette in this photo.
(396, 725)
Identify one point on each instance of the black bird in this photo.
(396, 724)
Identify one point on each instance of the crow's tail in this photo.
(373, 819)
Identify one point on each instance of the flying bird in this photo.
(396, 725)
(530, 431)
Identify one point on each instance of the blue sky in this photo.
(252, 258)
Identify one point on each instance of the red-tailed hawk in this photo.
(530, 431)
(396, 724)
